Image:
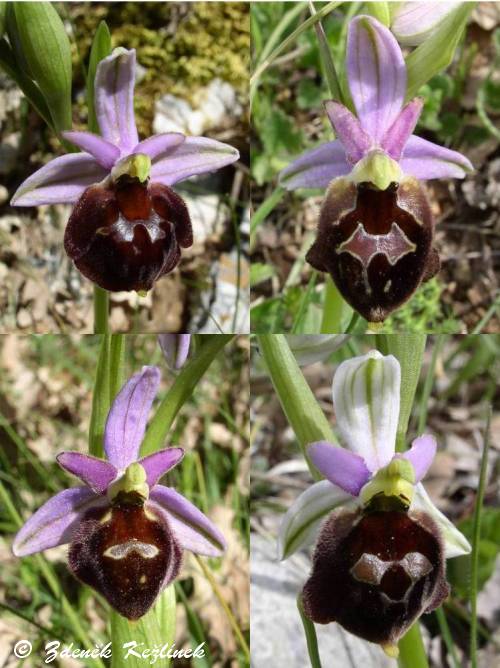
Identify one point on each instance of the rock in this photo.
(275, 626)
(24, 318)
(221, 304)
(207, 215)
(212, 107)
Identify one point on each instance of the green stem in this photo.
(101, 310)
(411, 649)
(476, 532)
(335, 309)
(298, 402)
(155, 629)
(327, 60)
(310, 634)
(100, 399)
(446, 634)
(181, 390)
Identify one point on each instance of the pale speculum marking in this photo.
(370, 569)
(122, 550)
(364, 246)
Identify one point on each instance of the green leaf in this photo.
(3, 10)
(436, 53)
(154, 630)
(181, 390)
(101, 48)
(47, 51)
(30, 90)
(408, 348)
(298, 402)
(380, 11)
(260, 272)
(309, 94)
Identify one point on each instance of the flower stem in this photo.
(411, 649)
(310, 634)
(155, 629)
(334, 309)
(101, 310)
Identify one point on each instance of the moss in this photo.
(182, 46)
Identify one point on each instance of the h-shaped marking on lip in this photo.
(370, 569)
(364, 246)
(122, 550)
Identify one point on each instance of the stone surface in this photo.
(276, 629)
(212, 107)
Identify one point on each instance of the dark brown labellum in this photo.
(124, 236)
(375, 244)
(375, 573)
(127, 554)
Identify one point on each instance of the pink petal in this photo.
(175, 348)
(354, 139)
(96, 473)
(400, 131)
(196, 155)
(376, 72)
(56, 521)
(425, 160)
(160, 462)
(128, 416)
(191, 527)
(421, 454)
(414, 22)
(316, 168)
(103, 151)
(61, 180)
(157, 144)
(341, 467)
(114, 98)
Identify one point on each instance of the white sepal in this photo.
(309, 349)
(414, 22)
(302, 520)
(366, 400)
(455, 543)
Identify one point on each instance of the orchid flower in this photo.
(128, 225)
(376, 228)
(310, 348)
(379, 515)
(175, 348)
(414, 22)
(126, 532)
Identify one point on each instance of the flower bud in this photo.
(375, 573)
(127, 554)
(376, 244)
(124, 235)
